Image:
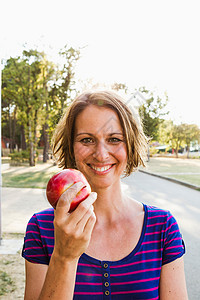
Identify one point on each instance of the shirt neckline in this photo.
(132, 253)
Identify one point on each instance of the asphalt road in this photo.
(18, 205)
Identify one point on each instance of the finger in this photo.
(83, 207)
(82, 223)
(89, 226)
(66, 198)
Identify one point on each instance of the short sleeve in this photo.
(33, 248)
(174, 246)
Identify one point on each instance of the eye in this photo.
(87, 140)
(114, 140)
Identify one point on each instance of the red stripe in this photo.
(136, 281)
(136, 263)
(135, 272)
(133, 292)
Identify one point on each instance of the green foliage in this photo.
(177, 136)
(34, 95)
(6, 283)
(152, 112)
(21, 156)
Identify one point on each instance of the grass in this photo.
(28, 177)
(187, 170)
(6, 283)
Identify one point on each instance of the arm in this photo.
(35, 277)
(72, 235)
(172, 281)
(58, 273)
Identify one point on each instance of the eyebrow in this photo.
(110, 134)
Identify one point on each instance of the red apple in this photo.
(63, 180)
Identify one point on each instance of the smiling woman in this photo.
(133, 136)
(111, 246)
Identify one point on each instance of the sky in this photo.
(151, 43)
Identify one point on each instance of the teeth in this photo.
(101, 169)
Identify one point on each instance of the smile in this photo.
(101, 169)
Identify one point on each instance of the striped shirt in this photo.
(134, 277)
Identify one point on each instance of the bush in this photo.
(152, 150)
(20, 157)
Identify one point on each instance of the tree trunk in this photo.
(31, 145)
(46, 143)
(46, 127)
(188, 151)
(10, 131)
(14, 128)
(23, 139)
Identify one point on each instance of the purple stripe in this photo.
(43, 215)
(49, 229)
(136, 263)
(33, 224)
(36, 255)
(88, 265)
(173, 253)
(169, 218)
(28, 248)
(153, 242)
(133, 292)
(149, 251)
(157, 232)
(88, 274)
(158, 210)
(88, 283)
(161, 223)
(47, 237)
(176, 239)
(173, 231)
(29, 240)
(170, 226)
(172, 247)
(136, 281)
(135, 272)
(158, 216)
(45, 221)
(85, 293)
(40, 227)
(31, 231)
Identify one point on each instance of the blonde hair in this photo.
(63, 138)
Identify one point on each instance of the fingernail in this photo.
(94, 195)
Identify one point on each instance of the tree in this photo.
(177, 137)
(152, 111)
(191, 134)
(22, 89)
(61, 91)
(67, 72)
(164, 132)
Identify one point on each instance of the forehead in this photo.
(94, 118)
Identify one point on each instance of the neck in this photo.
(110, 204)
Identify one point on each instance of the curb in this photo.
(189, 185)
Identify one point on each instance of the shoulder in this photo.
(155, 213)
(159, 218)
(47, 214)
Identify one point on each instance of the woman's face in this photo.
(99, 146)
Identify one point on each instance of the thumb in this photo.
(66, 198)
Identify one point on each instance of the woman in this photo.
(111, 246)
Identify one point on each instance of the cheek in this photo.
(81, 152)
(121, 153)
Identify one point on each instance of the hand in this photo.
(73, 230)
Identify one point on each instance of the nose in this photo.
(101, 152)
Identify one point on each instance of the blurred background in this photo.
(50, 51)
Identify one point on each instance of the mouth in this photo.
(101, 169)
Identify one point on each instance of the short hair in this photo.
(136, 141)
